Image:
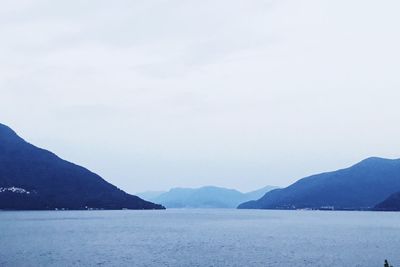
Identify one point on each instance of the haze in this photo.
(241, 94)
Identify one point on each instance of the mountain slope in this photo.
(149, 195)
(361, 186)
(392, 203)
(33, 178)
(257, 194)
(206, 197)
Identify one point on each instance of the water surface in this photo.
(199, 238)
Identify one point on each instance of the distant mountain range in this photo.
(204, 197)
(360, 187)
(34, 179)
(150, 194)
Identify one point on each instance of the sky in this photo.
(154, 94)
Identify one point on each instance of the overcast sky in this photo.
(155, 94)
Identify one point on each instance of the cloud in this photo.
(154, 94)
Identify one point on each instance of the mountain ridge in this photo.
(207, 197)
(360, 186)
(35, 178)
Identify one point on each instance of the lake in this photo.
(199, 238)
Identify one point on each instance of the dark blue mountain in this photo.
(392, 203)
(359, 187)
(34, 179)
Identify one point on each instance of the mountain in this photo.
(392, 203)
(256, 194)
(34, 179)
(207, 197)
(361, 186)
(149, 195)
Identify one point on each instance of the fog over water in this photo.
(157, 94)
